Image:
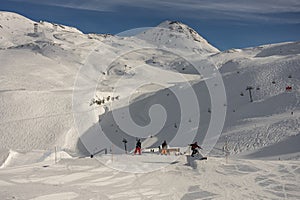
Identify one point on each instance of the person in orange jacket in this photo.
(164, 147)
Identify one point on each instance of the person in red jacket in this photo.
(194, 148)
(138, 147)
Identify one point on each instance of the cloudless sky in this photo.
(224, 23)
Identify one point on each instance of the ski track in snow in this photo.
(213, 179)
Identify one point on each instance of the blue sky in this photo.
(224, 23)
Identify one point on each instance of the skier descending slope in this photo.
(194, 147)
(138, 147)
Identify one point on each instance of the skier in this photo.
(164, 147)
(138, 147)
(194, 147)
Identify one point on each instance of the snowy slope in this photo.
(215, 178)
(36, 86)
(38, 71)
(273, 115)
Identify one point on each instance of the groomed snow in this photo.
(85, 178)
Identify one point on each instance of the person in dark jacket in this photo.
(194, 148)
(138, 147)
(164, 147)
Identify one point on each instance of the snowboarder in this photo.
(138, 147)
(164, 147)
(194, 147)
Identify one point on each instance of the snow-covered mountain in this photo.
(39, 68)
(173, 34)
(50, 74)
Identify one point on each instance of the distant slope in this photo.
(274, 113)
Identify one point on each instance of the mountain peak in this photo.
(174, 34)
(181, 28)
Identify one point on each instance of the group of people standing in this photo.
(164, 148)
